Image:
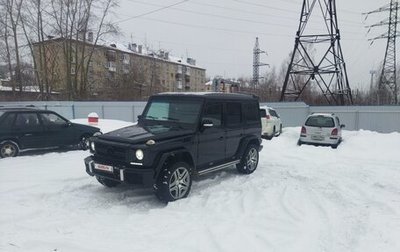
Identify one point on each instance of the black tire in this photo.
(249, 161)
(299, 142)
(174, 182)
(8, 149)
(280, 129)
(107, 182)
(84, 142)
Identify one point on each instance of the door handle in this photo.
(220, 138)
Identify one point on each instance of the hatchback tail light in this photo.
(334, 132)
(303, 131)
(267, 117)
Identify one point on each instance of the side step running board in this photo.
(219, 167)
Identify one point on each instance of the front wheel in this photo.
(8, 149)
(84, 142)
(249, 161)
(174, 182)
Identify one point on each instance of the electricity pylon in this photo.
(256, 63)
(328, 72)
(388, 90)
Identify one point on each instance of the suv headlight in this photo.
(92, 146)
(139, 154)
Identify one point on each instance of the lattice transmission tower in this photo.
(256, 63)
(388, 91)
(317, 57)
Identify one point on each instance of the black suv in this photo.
(24, 129)
(178, 136)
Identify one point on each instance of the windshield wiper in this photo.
(151, 117)
(170, 118)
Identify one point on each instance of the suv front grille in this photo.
(111, 151)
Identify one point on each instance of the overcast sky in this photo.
(221, 34)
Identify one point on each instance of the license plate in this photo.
(102, 167)
(317, 138)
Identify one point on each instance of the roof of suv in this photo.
(22, 109)
(210, 95)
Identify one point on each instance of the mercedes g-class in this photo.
(179, 136)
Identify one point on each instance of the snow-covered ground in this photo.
(299, 199)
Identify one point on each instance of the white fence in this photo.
(383, 119)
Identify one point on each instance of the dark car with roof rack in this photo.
(180, 136)
(28, 128)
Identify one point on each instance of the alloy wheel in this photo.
(179, 183)
(252, 159)
(8, 150)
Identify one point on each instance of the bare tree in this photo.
(73, 20)
(11, 21)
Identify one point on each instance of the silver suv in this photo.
(321, 129)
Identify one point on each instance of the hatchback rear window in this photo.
(263, 113)
(320, 121)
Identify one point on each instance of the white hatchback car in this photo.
(321, 129)
(271, 122)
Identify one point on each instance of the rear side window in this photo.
(7, 121)
(251, 112)
(233, 113)
(27, 120)
(213, 113)
(320, 121)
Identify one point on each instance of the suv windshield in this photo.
(320, 121)
(173, 110)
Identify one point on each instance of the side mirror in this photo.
(207, 123)
(342, 126)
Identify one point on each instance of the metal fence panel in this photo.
(383, 119)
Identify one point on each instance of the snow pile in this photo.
(303, 198)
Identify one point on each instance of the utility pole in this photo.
(388, 89)
(256, 63)
(329, 71)
(372, 72)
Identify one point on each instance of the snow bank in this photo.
(303, 198)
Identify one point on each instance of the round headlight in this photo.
(92, 146)
(139, 154)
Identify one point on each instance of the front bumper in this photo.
(123, 174)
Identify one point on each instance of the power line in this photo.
(218, 16)
(354, 24)
(216, 28)
(153, 11)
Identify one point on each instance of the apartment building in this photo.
(80, 69)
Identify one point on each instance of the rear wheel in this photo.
(107, 182)
(277, 133)
(174, 182)
(249, 161)
(8, 149)
(299, 142)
